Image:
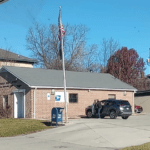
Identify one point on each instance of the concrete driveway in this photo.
(89, 134)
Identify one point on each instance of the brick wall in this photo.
(6, 89)
(16, 64)
(85, 98)
(8, 84)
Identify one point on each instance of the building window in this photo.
(5, 101)
(73, 98)
(111, 96)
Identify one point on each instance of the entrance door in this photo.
(19, 105)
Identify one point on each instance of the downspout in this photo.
(133, 104)
(34, 100)
(24, 104)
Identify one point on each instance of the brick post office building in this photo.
(33, 92)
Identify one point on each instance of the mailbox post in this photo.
(57, 115)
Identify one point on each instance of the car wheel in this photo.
(89, 113)
(125, 117)
(112, 115)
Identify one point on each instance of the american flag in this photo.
(61, 28)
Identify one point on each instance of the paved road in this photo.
(85, 134)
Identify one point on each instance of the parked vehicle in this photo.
(138, 109)
(112, 108)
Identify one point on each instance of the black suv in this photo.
(112, 108)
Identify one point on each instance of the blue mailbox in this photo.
(57, 115)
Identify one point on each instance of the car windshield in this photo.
(124, 103)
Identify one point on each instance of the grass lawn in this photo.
(14, 127)
(145, 146)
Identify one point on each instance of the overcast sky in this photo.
(128, 21)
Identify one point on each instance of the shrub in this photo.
(5, 112)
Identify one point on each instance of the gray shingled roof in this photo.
(10, 56)
(35, 77)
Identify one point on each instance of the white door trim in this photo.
(15, 100)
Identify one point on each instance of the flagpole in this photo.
(61, 40)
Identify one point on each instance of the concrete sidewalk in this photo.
(89, 134)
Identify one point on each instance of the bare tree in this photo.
(91, 59)
(43, 42)
(109, 46)
(142, 83)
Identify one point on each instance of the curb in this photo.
(138, 114)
